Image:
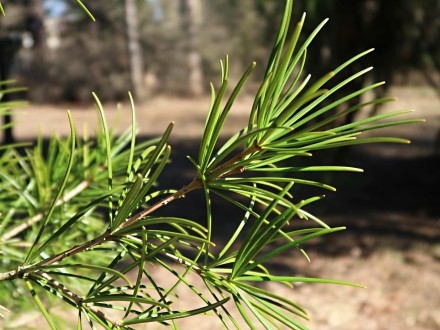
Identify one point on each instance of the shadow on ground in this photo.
(395, 196)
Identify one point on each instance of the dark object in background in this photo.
(27, 26)
(9, 46)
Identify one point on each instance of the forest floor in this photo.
(392, 214)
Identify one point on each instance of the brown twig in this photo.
(238, 157)
(110, 236)
(195, 184)
(58, 286)
(107, 236)
(76, 249)
(13, 274)
(73, 296)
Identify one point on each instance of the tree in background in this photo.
(78, 63)
(406, 37)
(191, 19)
(180, 41)
(134, 50)
(22, 29)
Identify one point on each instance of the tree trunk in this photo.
(135, 52)
(8, 49)
(191, 13)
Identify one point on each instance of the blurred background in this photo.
(167, 52)
(173, 47)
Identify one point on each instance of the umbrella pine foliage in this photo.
(79, 223)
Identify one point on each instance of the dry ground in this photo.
(392, 244)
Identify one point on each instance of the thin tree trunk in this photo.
(9, 46)
(36, 24)
(191, 11)
(5, 57)
(135, 52)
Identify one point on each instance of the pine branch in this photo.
(76, 299)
